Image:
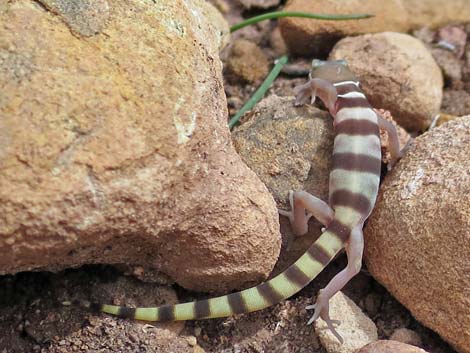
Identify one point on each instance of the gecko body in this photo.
(354, 183)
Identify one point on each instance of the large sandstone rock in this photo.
(418, 237)
(114, 148)
(397, 73)
(435, 13)
(307, 37)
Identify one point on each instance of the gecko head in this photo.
(316, 63)
(331, 70)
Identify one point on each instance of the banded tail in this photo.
(268, 293)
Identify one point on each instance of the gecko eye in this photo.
(341, 62)
(316, 63)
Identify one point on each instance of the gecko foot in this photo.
(290, 214)
(322, 310)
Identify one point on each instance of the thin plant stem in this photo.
(279, 14)
(259, 93)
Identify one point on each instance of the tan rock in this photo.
(456, 102)
(450, 65)
(397, 73)
(417, 239)
(313, 37)
(246, 62)
(277, 43)
(282, 143)
(384, 346)
(407, 336)
(455, 36)
(84, 17)
(435, 13)
(115, 149)
(259, 4)
(355, 328)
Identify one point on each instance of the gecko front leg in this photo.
(317, 87)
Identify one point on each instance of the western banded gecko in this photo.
(354, 183)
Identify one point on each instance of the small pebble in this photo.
(197, 331)
(408, 336)
(453, 36)
(246, 62)
(259, 4)
(192, 341)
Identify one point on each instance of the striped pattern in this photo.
(340, 84)
(354, 181)
(346, 87)
(359, 127)
(356, 161)
(351, 94)
(289, 282)
(346, 198)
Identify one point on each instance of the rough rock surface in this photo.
(84, 17)
(434, 13)
(397, 73)
(282, 143)
(418, 235)
(384, 346)
(456, 102)
(407, 336)
(259, 4)
(289, 148)
(307, 37)
(450, 65)
(355, 327)
(114, 148)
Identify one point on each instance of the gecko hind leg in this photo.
(302, 201)
(354, 249)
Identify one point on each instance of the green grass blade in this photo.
(260, 91)
(279, 14)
